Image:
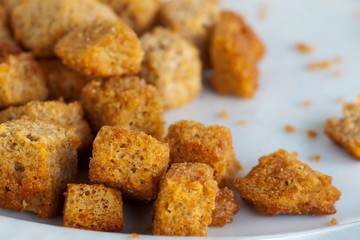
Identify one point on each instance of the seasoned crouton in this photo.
(39, 24)
(226, 207)
(172, 65)
(93, 207)
(191, 141)
(235, 51)
(126, 101)
(282, 184)
(131, 161)
(38, 160)
(102, 49)
(185, 201)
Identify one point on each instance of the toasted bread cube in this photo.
(226, 207)
(69, 116)
(185, 201)
(10, 5)
(102, 49)
(172, 65)
(7, 44)
(62, 81)
(39, 24)
(126, 101)
(93, 207)
(21, 81)
(282, 184)
(37, 161)
(235, 51)
(140, 15)
(131, 161)
(192, 19)
(191, 141)
(346, 131)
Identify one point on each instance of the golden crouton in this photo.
(226, 207)
(62, 81)
(140, 15)
(193, 142)
(7, 44)
(21, 80)
(192, 19)
(126, 101)
(93, 207)
(131, 161)
(69, 116)
(102, 49)
(10, 5)
(172, 65)
(37, 161)
(282, 184)
(39, 24)
(185, 201)
(346, 131)
(235, 51)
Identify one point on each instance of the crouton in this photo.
(346, 131)
(21, 80)
(7, 44)
(103, 49)
(62, 81)
(38, 24)
(235, 51)
(191, 141)
(37, 162)
(185, 201)
(172, 65)
(126, 101)
(226, 207)
(131, 161)
(69, 116)
(140, 15)
(93, 207)
(281, 184)
(192, 19)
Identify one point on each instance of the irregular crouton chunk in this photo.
(226, 207)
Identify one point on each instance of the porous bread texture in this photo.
(172, 65)
(21, 80)
(131, 161)
(226, 206)
(93, 207)
(69, 116)
(102, 48)
(39, 24)
(185, 201)
(281, 184)
(191, 141)
(126, 101)
(37, 161)
(192, 19)
(346, 131)
(235, 51)
(140, 15)
(62, 81)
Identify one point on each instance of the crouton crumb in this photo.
(263, 11)
(242, 123)
(326, 64)
(134, 235)
(340, 100)
(316, 158)
(304, 48)
(224, 115)
(333, 221)
(312, 134)
(289, 128)
(337, 73)
(307, 103)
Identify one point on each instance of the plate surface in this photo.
(332, 27)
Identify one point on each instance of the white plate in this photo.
(331, 27)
